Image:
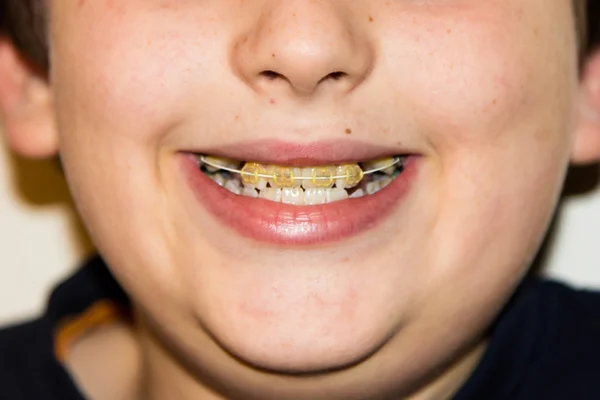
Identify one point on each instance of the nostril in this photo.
(271, 75)
(302, 82)
(336, 75)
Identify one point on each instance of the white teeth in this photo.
(299, 196)
(272, 194)
(293, 196)
(249, 192)
(314, 196)
(373, 187)
(341, 184)
(335, 195)
(357, 193)
(234, 186)
(262, 183)
(218, 179)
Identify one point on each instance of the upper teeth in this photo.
(295, 185)
(319, 176)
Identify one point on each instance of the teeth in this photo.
(335, 195)
(373, 187)
(218, 179)
(299, 196)
(294, 196)
(234, 186)
(353, 175)
(385, 181)
(320, 177)
(285, 177)
(307, 183)
(225, 162)
(357, 193)
(314, 196)
(250, 176)
(249, 192)
(381, 163)
(301, 186)
(272, 194)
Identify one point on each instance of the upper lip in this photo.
(304, 154)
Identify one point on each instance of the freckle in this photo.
(273, 55)
(399, 144)
(272, 101)
(495, 101)
(449, 30)
(348, 131)
(237, 117)
(370, 18)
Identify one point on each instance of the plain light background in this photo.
(42, 241)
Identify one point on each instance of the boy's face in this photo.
(482, 93)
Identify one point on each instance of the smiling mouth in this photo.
(302, 186)
(299, 194)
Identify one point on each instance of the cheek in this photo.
(118, 93)
(493, 91)
(493, 94)
(130, 87)
(480, 75)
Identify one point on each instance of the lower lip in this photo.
(283, 224)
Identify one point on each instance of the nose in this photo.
(303, 47)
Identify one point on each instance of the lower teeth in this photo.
(267, 190)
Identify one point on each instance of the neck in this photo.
(454, 377)
(164, 376)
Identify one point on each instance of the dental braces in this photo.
(284, 176)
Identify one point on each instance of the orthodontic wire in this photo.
(395, 161)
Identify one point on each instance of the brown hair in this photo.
(24, 21)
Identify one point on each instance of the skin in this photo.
(488, 92)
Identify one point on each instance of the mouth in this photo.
(302, 186)
(300, 196)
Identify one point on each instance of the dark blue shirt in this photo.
(545, 344)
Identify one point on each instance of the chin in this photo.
(311, 338)
(301, 353)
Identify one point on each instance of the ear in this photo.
(26, 109)
(586, 148)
